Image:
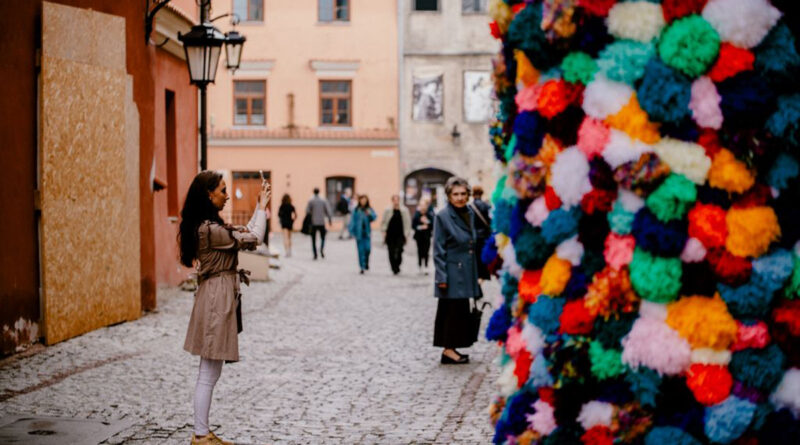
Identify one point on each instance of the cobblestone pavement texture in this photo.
(328, 356)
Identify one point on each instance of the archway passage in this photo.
(426, 183)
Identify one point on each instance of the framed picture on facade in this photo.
(428, 98)
(478, 96)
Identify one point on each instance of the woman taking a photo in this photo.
(287, 215)
(455, 260)
(422, 222)
(212, 247)
(360, 229)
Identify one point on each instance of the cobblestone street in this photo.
(328, 356)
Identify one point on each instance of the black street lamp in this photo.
(233, 49)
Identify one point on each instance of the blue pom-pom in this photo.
(545, 312)
(771, 271)
(664, 93)
(514, 419)
(644, 384)
(561, 225)
(625, 60)
(501, 216)
(784, 123)
(489, 252)
(530, 127)
(727, 421)
(662, 435)
(509, 288)
(499, 323)
(531, 249)
(776, 57)
(654, 236)
(748, 300)
(592, 35)
(577, 284)
(517, 220)
(540, 374)
(783, 171)
(746, 100)
(761, 369)
(619, 219)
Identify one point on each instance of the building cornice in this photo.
(335, 68)
(449, 54)
(254, 69)
(169, 23)
(303, 137)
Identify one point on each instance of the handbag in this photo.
(476, 311)
(306, 228)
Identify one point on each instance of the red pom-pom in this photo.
(731, 61)
(751, 336)
(757, 196)
(730, 269)
(710, 384)
(599, 8)
(675, 9)
(788, 314)
(523, 367)
(518, 7)
(495, 30)
(707, 224)
(554, 98)
(785, 330)
(529, 288)
(598, 435)
(547, 394)
(710, 141)
(551, 199)
(576, 319)
(598, 200)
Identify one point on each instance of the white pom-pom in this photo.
(743, 23)
(570, 250)
(705, 104)
(708, 356)
(656, 311)
(570, 176)
(640, 21)
(621, 149)
(630, 201)
(510, 264)
(603, 97)
(537, 212)
(694, 251)
(534, 340)
(787, 394)
(507, 381)
(686, 158)
(596, 413)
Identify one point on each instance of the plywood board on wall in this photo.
(90, 250)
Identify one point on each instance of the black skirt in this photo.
(452, 326)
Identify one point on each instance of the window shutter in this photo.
(326, 10)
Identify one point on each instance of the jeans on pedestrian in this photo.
(322, 231)
(364, 246)
(395, 255)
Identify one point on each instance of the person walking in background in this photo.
(287, 215)
(396, 224)
(423, 229)
(361, 230)
(483, 228)
(319, 210)
(343, 209)
(456, 279)
(211, 246)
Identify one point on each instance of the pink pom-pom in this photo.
(537, 212)
(653, 344)
(515, 343)
(705, 104)
(526, 99)
(543, 420)
(693, 251)
(752, 336)
(592, 137)
(619, 250)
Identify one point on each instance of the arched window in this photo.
(426, 183)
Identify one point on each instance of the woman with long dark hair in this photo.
(212, 247)
(360, 228)
(287, 214)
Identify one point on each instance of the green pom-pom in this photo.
(606, 363)
(620, 220)
(792, 291)
(655, 278)
(690, 45)
(531, 248)
(644, 385)
(497, 195)
(625, 60)
(532, 39)
(510, 148)
(672, 199)
(578, 67)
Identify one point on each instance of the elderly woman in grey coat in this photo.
(212, 246)
(455, 260)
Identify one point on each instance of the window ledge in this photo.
(248, 127)
(334, 23)
(335, 127)
(251, 23)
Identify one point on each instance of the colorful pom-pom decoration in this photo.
(646, 225)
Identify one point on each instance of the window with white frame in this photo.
(473, 6)
(249, 10)
(334, 10)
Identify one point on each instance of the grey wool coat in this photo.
(455, 256)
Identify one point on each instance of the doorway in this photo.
(244, 195)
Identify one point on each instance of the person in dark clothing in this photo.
(483, 227)
(396, 224)
(422, 222)
(287, 215)
(454, 257)
(319, 210)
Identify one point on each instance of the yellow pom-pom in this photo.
(555, 276)
(704, 322)
(501, 240)
(751, 230)
(729, 173)
(634, 121)
(501, 13)
(526, 73)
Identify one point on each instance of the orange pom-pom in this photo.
(710, 384)
(751, 230)
(634, 121)
(554, 98)
(731, 60)
(526, 73)
(730, 174)
(529, 288)
(610, 293)
(707, 224)
(704, 322)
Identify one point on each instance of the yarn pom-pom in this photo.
(742, 22)
(529, 128)
(578, 67)
(560, 225)
(527, 97)
(729, 173)
(599, 8)
(751, 230)
(554, 97)
(661, 435)
(598, 435)
(545, 313)
(732, 60)
(746, 102)
(625, 60)
(761, 369)
(675, 9)
(571, 250)
(686, 158)
(780, 427)
(751, 336)
(672, 199)
(644, 385)
(531, 249)
(609, 332)
(634, 122)
(792, 290)
(785, 329)
(606, 363)
(621, 149)
(532, 39)
(619, 250)
(659, 238)
(777, 56)
(570, 176)
(603, 97)
(619, 219)
(593, 136)
(576, 319)
(787, 394)
(694, 251)
(705, 104)
(728, 268)
(514, 420)
(703, 322)
(664, 93)
(784, 169)
(537, 212)
(653, 344)
(555, 275)
(690, 45)
(655, 278)
(727, 421)
(710, 384)
(610, 293)
(499, 324)
(596, 413)
(640, 21)
(542, 420)
(529, 288)
(785, 121)
(707, 223)
(772, 270)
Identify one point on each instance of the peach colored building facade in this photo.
(288, 55)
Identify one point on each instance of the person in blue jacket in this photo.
(360, 228)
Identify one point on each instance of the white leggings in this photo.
(210, 371)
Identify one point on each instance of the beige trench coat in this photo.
(212, 332)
